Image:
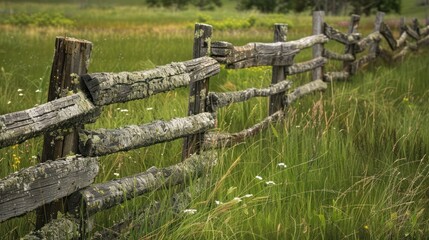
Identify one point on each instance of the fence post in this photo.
(375, 48)
(318, 20)
(350, 48)
(71, 57)
(278, 72)
(198, 90)
(402, 25)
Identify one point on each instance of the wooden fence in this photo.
(69, 163)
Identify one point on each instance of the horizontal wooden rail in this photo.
(218, 100)
(340, 37)
(363, 44)
(61, 113)
(106, 141)
(337, 56)
(32, 187)
(262, 54)
(332, 76)
(299, 92)
(102, 196)
(306, 66)
(108, 88)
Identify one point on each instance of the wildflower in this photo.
(237, 199)
(190, 211)
(9, 102)
(149, 109)
(118, 109)
(124, 110)
(116, 174)
(258, 177)
(38, 90)
(34, 157)
(269, 183)
(20, 90)
(282, 165)
(218, 202)
(21, 94)
(248, 196)
(297, 126)
(366, 227)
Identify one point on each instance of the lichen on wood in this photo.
(63, 228)
(317, 85)
(32, 187)
(61, 113)
(363, 44)
(337, 56)
(401, 41)
(105, 141)
(332, 76)
(218, 100)
(340, 37)
(108, 88)
(387, 34)
(109, 194)
(306, 66)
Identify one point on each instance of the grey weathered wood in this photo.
(278, 72)
(61, 113)
(268, 54)
(63, 228)
(402, 53)
(374, 49)
(221, 140)
(366, 42)
(332, 76)
(424, 31)
(307, 66)
(336, 56)
(218, 100)
(108, 88)
(412, 33)
(401, 41)
(350, 48)
(106, 141)
(299, 92)
(361, 62)
(32, 187)
(340, 37)
(423, 41)
(318, 20)
(387, 34)
(102, 196)
(416, 26)
(402, 25)
(198, 90)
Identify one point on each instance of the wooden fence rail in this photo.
(31, 188)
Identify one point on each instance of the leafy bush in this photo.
(39, 19)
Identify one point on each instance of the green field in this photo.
(356, 155)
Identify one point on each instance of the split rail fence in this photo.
(64, 178)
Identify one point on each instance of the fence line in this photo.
(33, 187)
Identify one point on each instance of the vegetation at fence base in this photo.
(350, 163)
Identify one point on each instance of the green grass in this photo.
(356, 155)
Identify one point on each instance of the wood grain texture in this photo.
(334, 76)
(219, 100)
(61, 113)
(278, 72)
(387, 34)
(307, 66)
(337, 56)
(340, 37)
(349, 49)
(301, 91)
(108, 88)
(318, 20)
(374, 46)
(366, 42)
(106, 141)
(35, 186)
(402, 39)
(102, 196)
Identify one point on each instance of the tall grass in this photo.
(349, 163)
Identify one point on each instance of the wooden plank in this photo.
(32, 187)
(301, 91)
(334, 34)
(63, 228)
(278, 72)
(401, 41)
(333, 76)
(270, 54)
(366, 42)
(412, 33)
(103, 196)
(336, 56)
(61, 113)
(218, 100)
(106, 141)
(307, 66)
(350, 48)
(416, 26)
(108, 88)
(374, 48)
(318, 20)
(387, 34)
(198, 90)
(221, 140)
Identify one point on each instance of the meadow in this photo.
(349, 163)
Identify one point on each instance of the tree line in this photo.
(332, 7)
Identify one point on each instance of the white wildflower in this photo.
(118, 109)
(21, 94)
(247, 196)
(20, 90)
(38, 90)
(9, 102)
(116, 174)
(190, 211)
(149, 109)
(218, 202)
(124, 110)
(258, 177)
(270, 183)
(282, 165)
(237, 199)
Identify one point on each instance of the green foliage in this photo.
(39, 19)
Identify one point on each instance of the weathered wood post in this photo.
(416, 26)
(71, 58)
(278, 72)
(318, 20)
(402, 26)
(350, 48)
(374, 50)
(199, 89)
